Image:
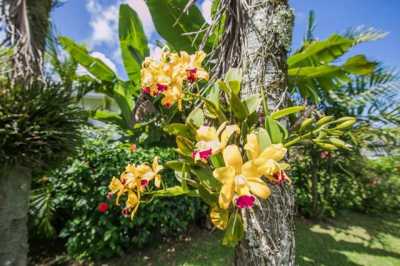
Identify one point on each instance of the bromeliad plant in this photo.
(228, 156)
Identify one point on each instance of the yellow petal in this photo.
(227, 133)
(143, 169)
(157, 181)
(259, 188)
(232, 157)
(249, 170)
(156, 166)
(275, 152)
(226, 195)
(252, 146)
(199, 56)
(206, 133)
(224, 174)
(241, 187)
(219, 217)
(267, 167)
(132, 200)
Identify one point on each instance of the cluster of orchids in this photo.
(170, 74)
(227, 156)
(132, 183)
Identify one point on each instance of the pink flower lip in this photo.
(191, 74)
(161, 87)
(204, 154)
(144, 182)
(280, 177)
(103, 207)
(146, 90)
(245, 201)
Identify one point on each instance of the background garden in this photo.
(78, 125)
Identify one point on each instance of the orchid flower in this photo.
(238, 179)
(267, 161)
(147, 173)
(194, 70)
(211, 141)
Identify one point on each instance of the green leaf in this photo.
(234, 231)
(233, 78)
(179, 129)
(133, 42)
(173, 192)
(359, 65)
(321, 52)
(237, 107)
(263, 138)
(176, 165)
(252, 103)
(196, 117)
(185, 146)
(213, 95)
(122, 95)
(287, 111)
(273, 130)
(94, 65)
(210, 198)
(174, 25)
(109, 117)
(206, 178)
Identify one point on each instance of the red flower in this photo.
(146, 90)
(103, 207)
(245, 201)
(191, 74)
(133, 147)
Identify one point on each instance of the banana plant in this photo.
(134, 48)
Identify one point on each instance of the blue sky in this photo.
(94, 22)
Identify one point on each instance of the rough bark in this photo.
(267, 37)
(15, 185)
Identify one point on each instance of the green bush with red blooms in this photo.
(74, 203)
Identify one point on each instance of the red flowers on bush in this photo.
(103, 207)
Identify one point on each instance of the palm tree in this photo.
(26, 24)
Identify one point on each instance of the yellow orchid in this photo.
(147, 173)
(219, 217)
(267, 161)
(132, 202)
(193, 63)
(237, 178)
(116, 187)
(211, 141)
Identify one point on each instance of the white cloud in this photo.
(206, 10)
(104, 23)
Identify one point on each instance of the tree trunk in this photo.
(15, 185)
(267, 33)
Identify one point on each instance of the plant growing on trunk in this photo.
(228, 157)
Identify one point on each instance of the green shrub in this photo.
(382, 185)
(346, 181)
(81, 185)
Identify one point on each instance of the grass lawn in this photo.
(351, 239)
